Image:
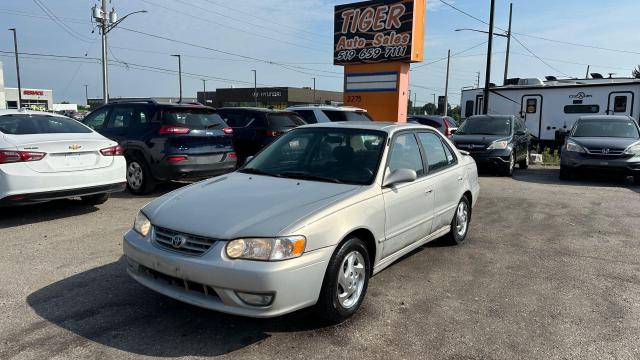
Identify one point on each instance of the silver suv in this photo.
(327, 113)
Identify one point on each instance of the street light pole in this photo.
(255, 87)
(86, 93)
(446, 86)
(314, 90)
(415, 99)
(487, 80)
(15, 49)
(179, 74)
(506, 60)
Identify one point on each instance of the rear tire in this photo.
(345, 282)
(139, 178)
(460, 223)
(97, 199)
(524, 164)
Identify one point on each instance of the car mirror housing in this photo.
(399, 176)
(453, 131)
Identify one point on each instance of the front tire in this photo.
(345, 282)
(508, 167)
(460, 223)
(139, 178)
(524, 164)
(97, 199)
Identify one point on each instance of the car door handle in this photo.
(460, 178)
(428, 191)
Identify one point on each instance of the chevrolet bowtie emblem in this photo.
(74, 147)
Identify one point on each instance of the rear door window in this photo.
(121, 117)
(308, 116)
(284, 121)
(20, 124)
(239, 119)
(435, 152)
(96, 120)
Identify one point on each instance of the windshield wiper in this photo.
(211, 126)
(258, 172)
(305, 176)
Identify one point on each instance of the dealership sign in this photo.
(33, 92)
(378, 31)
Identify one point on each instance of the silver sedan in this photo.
(307, 221)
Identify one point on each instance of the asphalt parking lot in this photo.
(551, 270)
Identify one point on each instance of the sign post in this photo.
(376, 41)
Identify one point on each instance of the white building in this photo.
(40, 99)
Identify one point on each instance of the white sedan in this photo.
(46, 156)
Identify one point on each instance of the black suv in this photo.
(165, 142)
(255, 128)
(498, 141)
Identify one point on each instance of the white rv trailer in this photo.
(550, 106)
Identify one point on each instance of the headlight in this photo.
(499, 145)
(633, 149)
(571, 146)
(142, 225)
(266, 249)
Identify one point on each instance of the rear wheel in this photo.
(139, 178)
(345, 282)
(96, 199)
(524, 164)
(460, 222)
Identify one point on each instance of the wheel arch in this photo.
(369, 240)
(469, 197)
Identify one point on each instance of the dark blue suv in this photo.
(165, 142)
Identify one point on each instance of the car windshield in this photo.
(198, 119)
(485, 125)
(606, 128)
(27, 124)
(349, 156)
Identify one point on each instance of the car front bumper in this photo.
(492, 158)
(620, 164)
(196, 167)
(294, 283)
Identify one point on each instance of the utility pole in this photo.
(587, 76)
(314, 90)
(86, 93)
(506, 61)
(487, 80)
(15, 49)
(204, 85)
(415, 100)
(179, 74)
(478, 80)
(446, 85)
(107, 21)
(434, 104)
(255, 87)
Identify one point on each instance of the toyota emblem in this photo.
(178, 241)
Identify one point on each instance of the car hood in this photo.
(604, 142)
(477, 139)
(240, 205)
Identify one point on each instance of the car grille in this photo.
(605, 151)
(186, 285)
(472, 148)
(191, 244)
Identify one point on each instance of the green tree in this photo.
(636, 73)
(430, 109)
(454, 113)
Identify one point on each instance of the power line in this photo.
(537, 57)
(231, 27)
(60, 23)
(453, 55)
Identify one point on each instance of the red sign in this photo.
(32, 92)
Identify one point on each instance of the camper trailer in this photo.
(551, 107)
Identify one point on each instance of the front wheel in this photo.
(460, 223)
(507, 169)
(524, 164)
(345, 282)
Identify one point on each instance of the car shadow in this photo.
(41, 212)
(104, 305)
(550, 175)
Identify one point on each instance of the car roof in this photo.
(325, 107)
(428, 117)
(492, 116)
(389, 127)
(266, 110)
(28, 112)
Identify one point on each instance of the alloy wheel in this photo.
(462, 219)
(351, 279)
(134, 175)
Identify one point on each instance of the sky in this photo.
(289, 42)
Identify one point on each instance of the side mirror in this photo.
(453, 131)
(246, 161)
(399, 176)
(464, 152)
(521, 132)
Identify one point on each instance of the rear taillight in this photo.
(227, 130)
(272, 133)
(113, 151)
(232, 155)
(176, 158)
(12, 156)
(170, 130)
(447, 133)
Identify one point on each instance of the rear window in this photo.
(308, 116)
(240, 119)
(280, 121)
(428, 122)
(20, 124)
(198, 119)
(337, 115)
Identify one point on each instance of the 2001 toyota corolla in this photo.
(307, 221)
